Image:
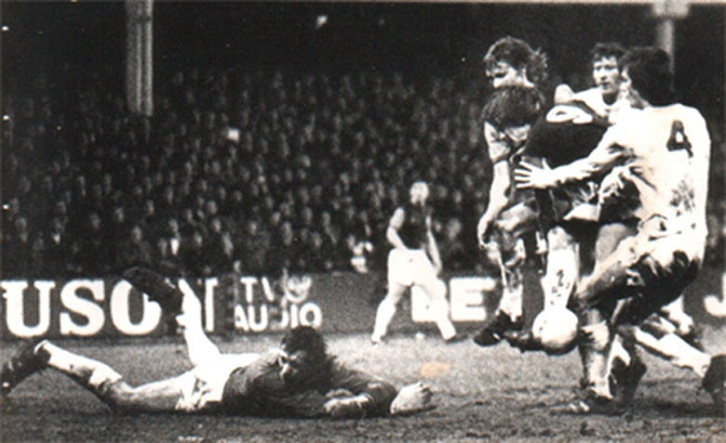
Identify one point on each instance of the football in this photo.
(556, 329)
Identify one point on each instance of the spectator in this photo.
(136, 250)
(311, 146)
(18, 249)
(90, 252)
(218, 250)
(192, 252)
(253, 250)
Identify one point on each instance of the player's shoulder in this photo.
(346, 376)
(688, 115)
(265, 360)
(690, 112)
(565, 94)
(591, 96)
(398, 216)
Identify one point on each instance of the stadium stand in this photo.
(246, 170)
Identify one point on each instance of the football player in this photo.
(515, 70)
(414, 260)
(299, 379)
(570, 131)
(657, 156)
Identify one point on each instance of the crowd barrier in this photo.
(334, 302)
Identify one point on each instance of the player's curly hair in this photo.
(519, 54)
(607, 49)
(650, 71)
(316, 375)
(305, 338)
(513, 106)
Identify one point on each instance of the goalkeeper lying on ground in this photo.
(298, 380)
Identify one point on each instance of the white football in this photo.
(556, 329)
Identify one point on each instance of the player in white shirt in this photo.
(657, 156)
(573, 128)
(602, 96)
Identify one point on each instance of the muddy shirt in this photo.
(258, 390)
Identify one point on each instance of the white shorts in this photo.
(203, 385)
(646, 271)
(409, 267)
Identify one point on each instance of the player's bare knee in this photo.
(390, 301)
(102, 374)
(118, 396)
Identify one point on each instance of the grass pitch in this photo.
(482, 394)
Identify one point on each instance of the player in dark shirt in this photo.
(299, 379)
(413, 261)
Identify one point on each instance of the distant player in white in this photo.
(662, 150)
(414, 260)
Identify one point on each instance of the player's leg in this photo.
(685, 326)
(200, 347)
(511, 303)
(643, 281)
(199, 389)
(386, 310)
(596, 339)
(626, 370)
(435, 288)
(511, 227)
(186, 308)
(158, 396)
(596, 298)
(106, 383)
(23, 363)
(669, 271)
(400, 278)
(659, 337)
(563, 267)
(625, 367)
(509, 315)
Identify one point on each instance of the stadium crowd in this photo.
(244, 171)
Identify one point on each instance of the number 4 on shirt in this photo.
(678, 139)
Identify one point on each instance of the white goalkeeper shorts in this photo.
(409, 267)
(203, 385)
